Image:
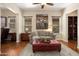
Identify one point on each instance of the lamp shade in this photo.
(27, 29)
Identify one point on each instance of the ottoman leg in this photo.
(59, 50)
(33, 51)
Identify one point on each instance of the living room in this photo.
(25, 25)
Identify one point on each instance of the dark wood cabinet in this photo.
(13, 36)
(4, 34)
(72, 27)
(24, 36)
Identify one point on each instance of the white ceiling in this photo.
(30, 6)
(56, 6)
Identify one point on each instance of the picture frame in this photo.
(41, 21)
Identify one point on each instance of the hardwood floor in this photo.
(12, 48)
(71, 45)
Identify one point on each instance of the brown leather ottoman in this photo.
(54, 45)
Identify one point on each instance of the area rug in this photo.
(65, 51)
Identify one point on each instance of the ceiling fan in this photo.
(43, 5)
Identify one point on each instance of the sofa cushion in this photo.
(43, 35)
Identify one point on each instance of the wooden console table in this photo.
(24, 36)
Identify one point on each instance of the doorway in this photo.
(8, 26)
(72, 31)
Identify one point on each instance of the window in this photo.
(3, 21)
(12, 23)
(28, 24)
(55, 24)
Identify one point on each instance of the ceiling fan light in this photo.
(42, 6)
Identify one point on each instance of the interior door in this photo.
(72, 31)
(70, 28)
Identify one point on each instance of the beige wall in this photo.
(33, 13)
(78, 29)
(13, 8)
(6, 12)
(0, 18)
(64, 21)
(0, 26)
(66, 11)
(74, 13)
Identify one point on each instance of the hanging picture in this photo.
(41, 21)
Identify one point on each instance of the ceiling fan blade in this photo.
(36, 3)
(51, 4)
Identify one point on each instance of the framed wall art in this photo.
(41, 21)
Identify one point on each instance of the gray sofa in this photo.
(41, 35)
